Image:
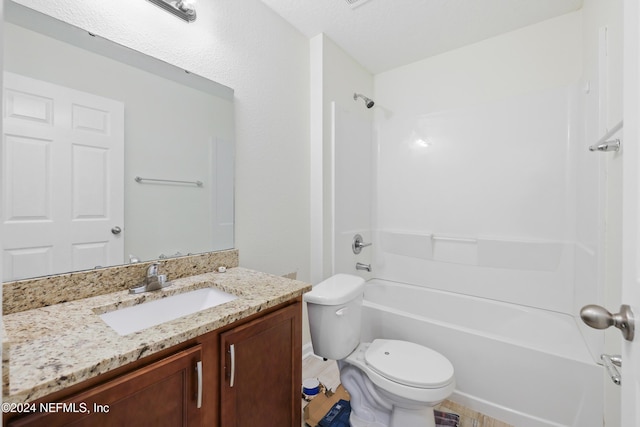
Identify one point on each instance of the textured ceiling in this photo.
(385, 34)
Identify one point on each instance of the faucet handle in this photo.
(358, 244)
(152, 271)
(152, 282)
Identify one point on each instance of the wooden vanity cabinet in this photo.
(162, 389)
(164, 393)
(261, 362)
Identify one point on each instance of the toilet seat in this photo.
(409, 364)
(427, 392)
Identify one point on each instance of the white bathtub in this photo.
(525, 366)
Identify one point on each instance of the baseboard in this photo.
(307, 350)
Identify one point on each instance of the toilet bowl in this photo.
(392, 383)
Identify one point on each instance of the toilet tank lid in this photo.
(336, 290)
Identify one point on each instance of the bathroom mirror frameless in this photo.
(83, 118)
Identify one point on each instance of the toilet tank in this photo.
(335, 307)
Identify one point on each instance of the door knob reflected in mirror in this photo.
(600, 318)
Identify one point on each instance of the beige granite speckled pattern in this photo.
(44, 291)
(60, 345)
(6, 344)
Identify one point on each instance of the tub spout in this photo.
(361, 266)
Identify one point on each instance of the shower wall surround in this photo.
(486, 199)
(477, 175)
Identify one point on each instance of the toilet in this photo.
(392, 383)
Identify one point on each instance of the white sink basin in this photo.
(145, 315)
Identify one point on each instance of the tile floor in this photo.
(327, 373)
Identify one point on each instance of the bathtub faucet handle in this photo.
(612, 362)
(358, 244)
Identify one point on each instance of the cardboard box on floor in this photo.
(322, 404)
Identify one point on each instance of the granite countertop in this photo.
(54, 347)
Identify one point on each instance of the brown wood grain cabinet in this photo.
(262, 366)
(189, 385)
(163, 393)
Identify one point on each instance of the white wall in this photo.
(537, 57)
(493, 175)
(335, 77)
(560, 52)
(604, 110)
(246, 46)
(353, 189)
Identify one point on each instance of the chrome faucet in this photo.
(362, 266)
(152, 282)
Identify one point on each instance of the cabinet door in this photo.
(164, 393)
(262, 370)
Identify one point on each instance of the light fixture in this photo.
(179, 8)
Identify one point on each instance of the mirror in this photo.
(149, 160)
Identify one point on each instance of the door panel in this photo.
(630, 212)
(63, 183)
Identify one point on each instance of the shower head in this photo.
(366, 100)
